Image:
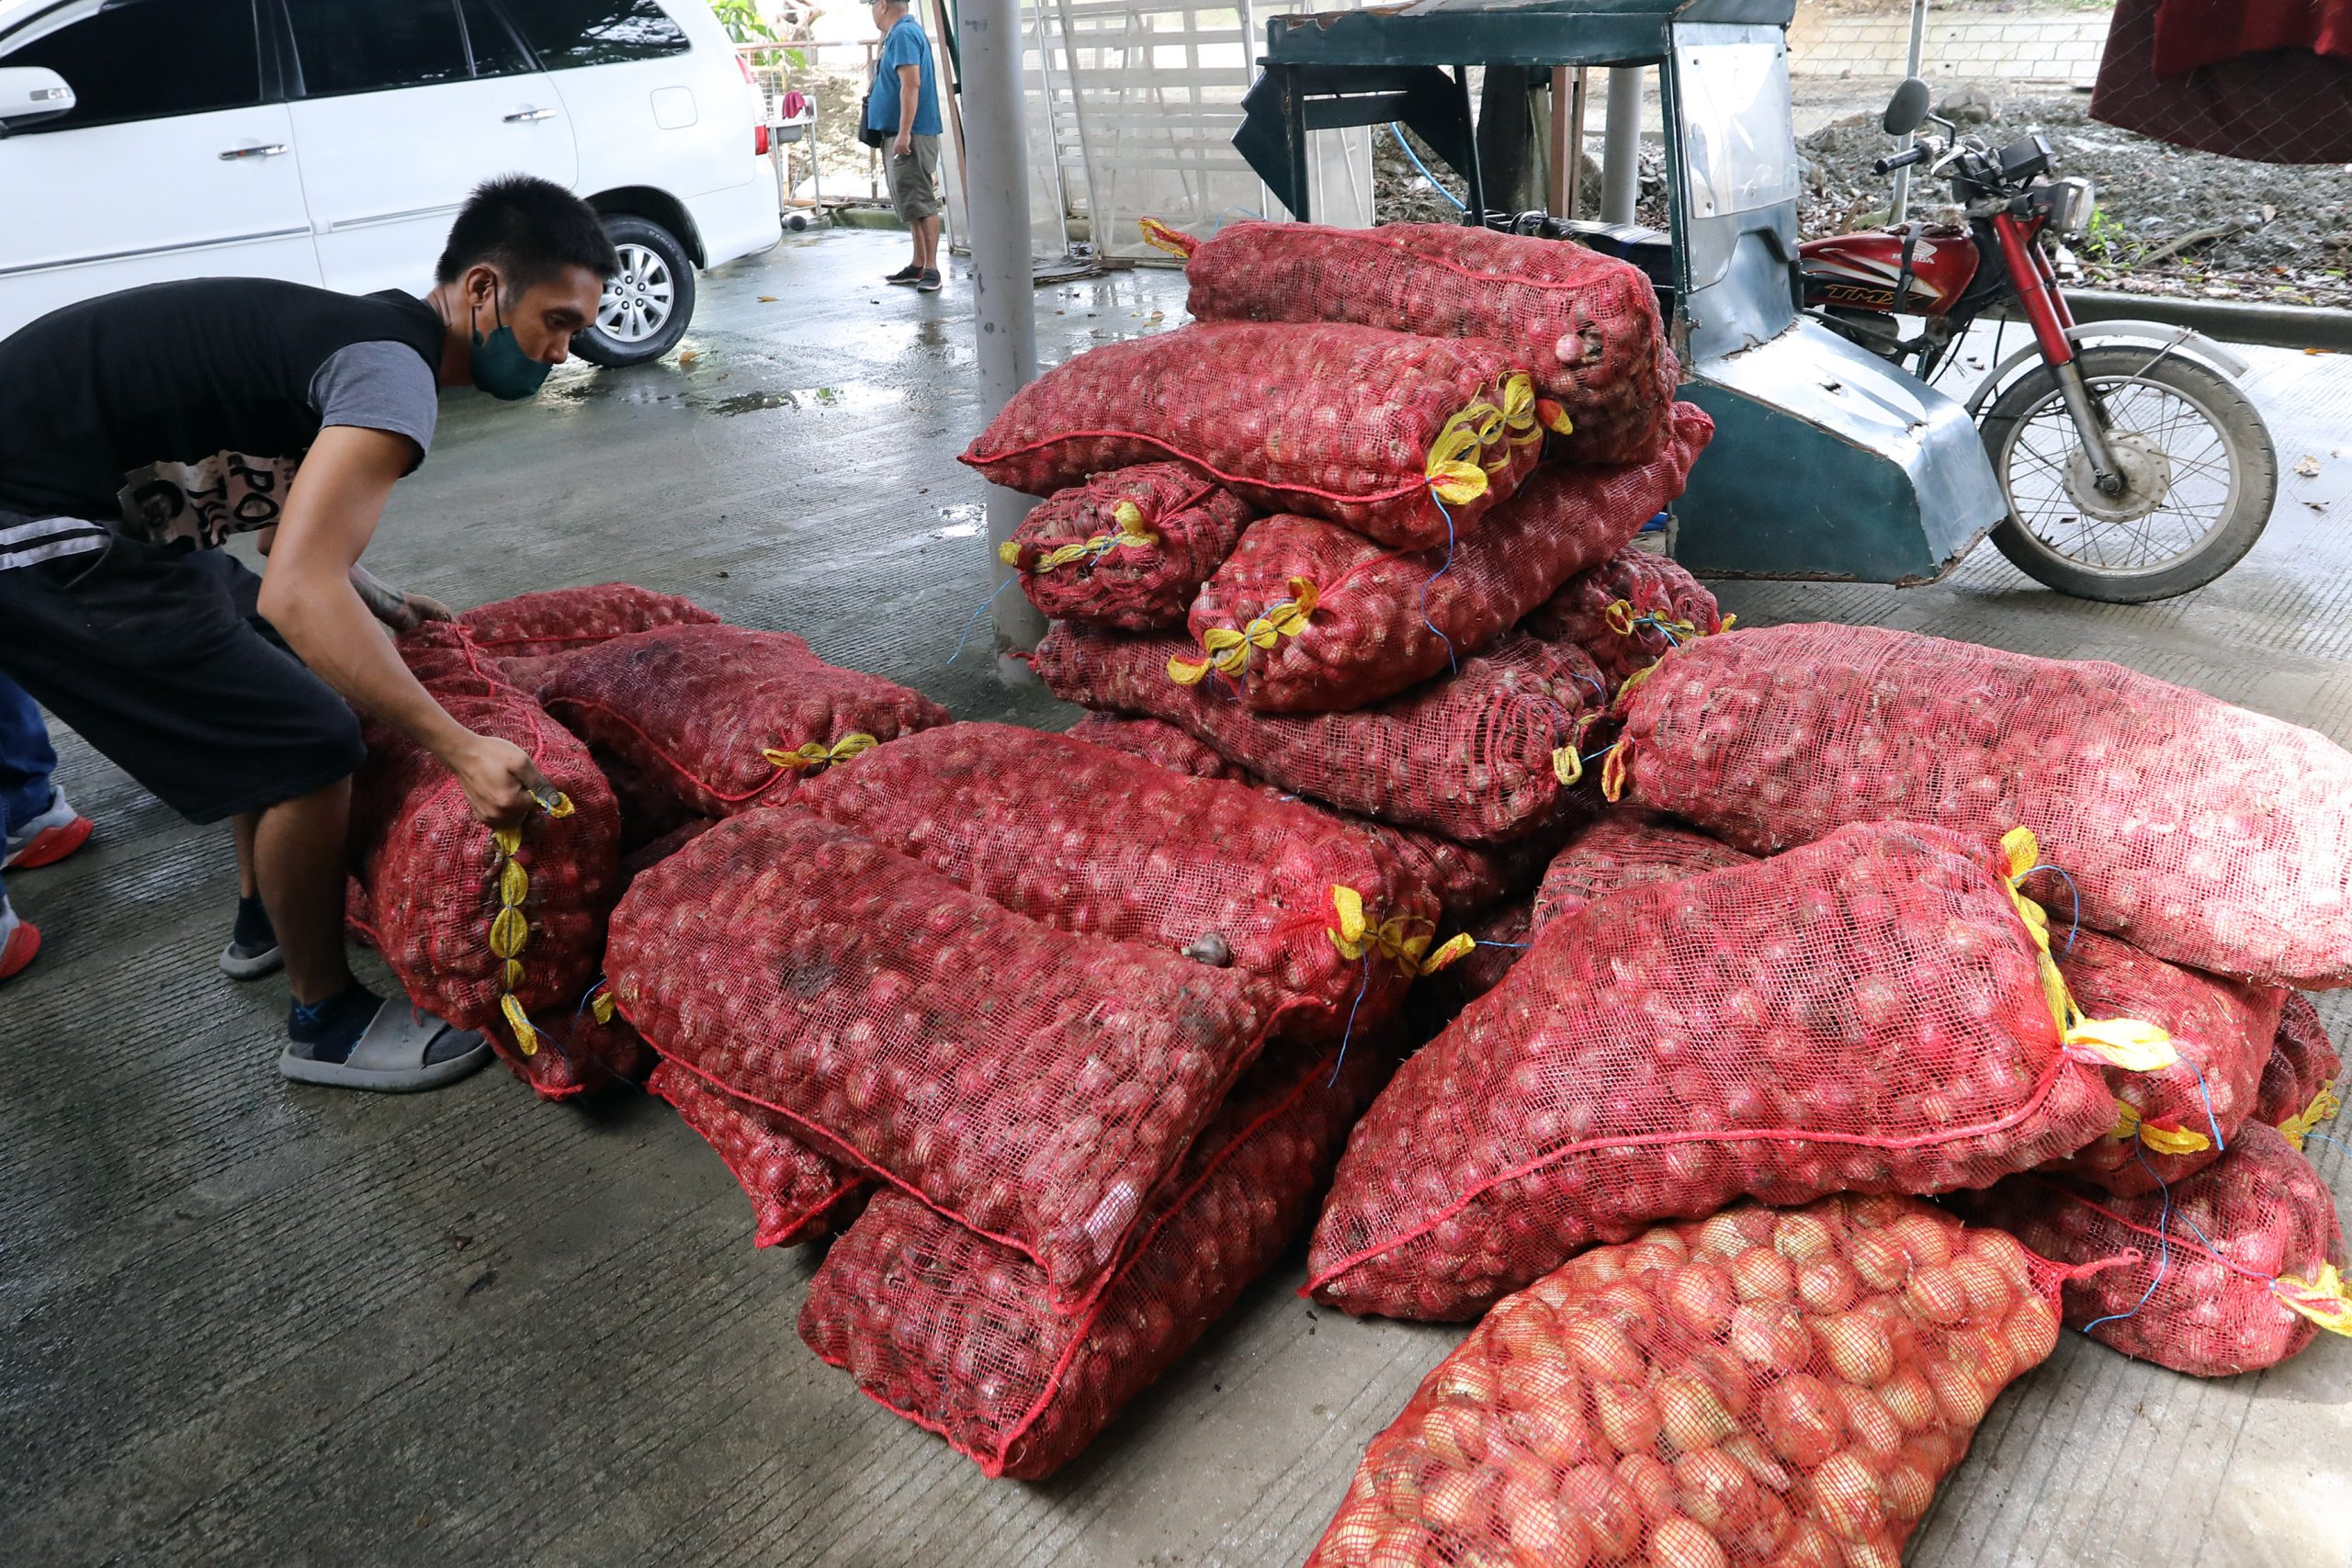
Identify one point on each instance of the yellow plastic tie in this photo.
(2322, 1107)
(2323, 1300)
(602, 1008)
(2163, 1140)
(1009, 552)
(1567, 765)
(1451, 473)
(526, 1039)
(1519, 416)
(1162, 237)
(1618, 617)
(1613, 775)
(1553, 418)
(1394, 940)
(1458, 946)
(817, 755)
(1130, 532)
(1229, 650)
(2130, 1044)
(509, 932)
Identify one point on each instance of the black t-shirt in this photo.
(182, 409)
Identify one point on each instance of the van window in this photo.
(565, 33)
(493, 45)
(365, 46)
(114, 60)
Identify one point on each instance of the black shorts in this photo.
(158, 659)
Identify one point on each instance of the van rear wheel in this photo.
(647, 304)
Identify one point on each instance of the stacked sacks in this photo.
(1316, 916)
(956, 1333)
(1377, 621)
(1357, 650)
(1467, 879)
(2202, 833)
(1872, 1013)
(2297, 1094)
(1487, 755)
(1626, 612)
(1590, 324)
(1032, 1084)
(2234, 1269)
(1397, 436)
(532, 633)
(490, 930)
(1128, 549)
(720, 718)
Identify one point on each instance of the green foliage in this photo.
(2107, 239)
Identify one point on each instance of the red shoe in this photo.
(48, 838)
(18, 948)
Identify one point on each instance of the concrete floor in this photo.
(249, 1322)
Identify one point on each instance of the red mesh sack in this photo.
(1104, 844)
(2231, 1270)
(1156, 741)
(1766, 1387)
(531, 633)
(488, 930)
(2298, 1090)
(1866, 1014)
(2172, 1123)
(797, 1193)
(719, 719)
(1627, 612)
(952, 1332)
(1465, 878)
(1385, 431)
(1030, 1084)
(2204, 833)
(1625, 849)
(1487, 755)
(1308, 616)
(1128, 549)
(1596, 343)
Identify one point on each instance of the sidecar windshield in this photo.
(1732, 84)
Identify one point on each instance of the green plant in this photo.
(744, 24)
(2106, 240)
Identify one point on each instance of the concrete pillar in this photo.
(1003, 297)
(1620, 154)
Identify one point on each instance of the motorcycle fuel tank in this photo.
(1864, 271)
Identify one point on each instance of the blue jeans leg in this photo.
(27, 759)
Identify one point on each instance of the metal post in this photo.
(1557, 150)
(1004, 299)
(1901, 207)
(1620, 154)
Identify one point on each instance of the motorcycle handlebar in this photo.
(1915, 154)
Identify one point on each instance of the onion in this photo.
(1607, 1508)
(1679, 1542)
(1628, 1417)
(1803, 1420)
(1855, 1347)
(1846, 1497)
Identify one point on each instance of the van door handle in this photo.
(269, 149)
(525, 116)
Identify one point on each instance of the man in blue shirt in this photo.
(904, 106)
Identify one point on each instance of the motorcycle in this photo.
(2135, 466)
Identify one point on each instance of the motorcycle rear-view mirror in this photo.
(1907, 111)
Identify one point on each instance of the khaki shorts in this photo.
(914, 179)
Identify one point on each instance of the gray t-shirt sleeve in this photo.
(379, 385)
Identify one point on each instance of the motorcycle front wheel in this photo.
(2200, 471)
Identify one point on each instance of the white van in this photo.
(331, 141)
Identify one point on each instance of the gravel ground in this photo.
(2295, 247)
(2291, 241)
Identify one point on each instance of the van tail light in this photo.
(759, 129)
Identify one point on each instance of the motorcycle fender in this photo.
(2178, 339)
